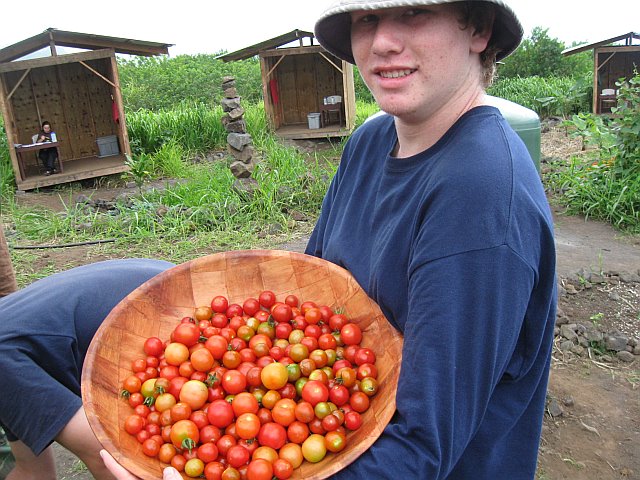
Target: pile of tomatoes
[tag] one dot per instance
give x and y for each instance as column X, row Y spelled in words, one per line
column 250, row 391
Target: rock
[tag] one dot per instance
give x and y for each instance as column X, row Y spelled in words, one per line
column 561, row 290
column 593, row 335
column 629, row 277
column 274, row 229
column 625, row 356
column 229, row 104
column 606, row 358
column 568, row 332
column 236, row 113
column 84, row 200
column 298, row 216
column 577, row 349
column 230, row 92
column 239, row 140
column 561, row 317
column 614, row 296
column 554, row 408
column 241, row 169
column 245, row 155
column 568, row 401
column 615, row 342
column 245, row 186
column 636, row 350
column 566, row 345
column 228, row 80
column 597, row 278
column 239, row 126
column 570, row 289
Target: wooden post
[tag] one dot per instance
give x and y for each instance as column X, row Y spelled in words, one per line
column 7, row 113
column 117, row 93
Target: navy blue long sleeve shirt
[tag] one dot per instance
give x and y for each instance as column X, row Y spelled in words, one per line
column 456, row 246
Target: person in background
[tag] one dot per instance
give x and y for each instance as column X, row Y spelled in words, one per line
column 439, row 213
column 45, row 332
column 48, row 156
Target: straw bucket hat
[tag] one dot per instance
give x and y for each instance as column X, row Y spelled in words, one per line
column 333, row 28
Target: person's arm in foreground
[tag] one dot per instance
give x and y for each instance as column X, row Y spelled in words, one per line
column 122, row 473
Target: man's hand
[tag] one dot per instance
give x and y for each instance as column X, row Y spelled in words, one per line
column 122, row 473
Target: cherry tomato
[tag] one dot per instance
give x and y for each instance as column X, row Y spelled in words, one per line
column 134, row 424
column 259, row 469
column 267, row 298
column 313, row 448
column 315, row 391
column 153, row 346
column 219, row 304
column 184, row 434
column 351, row 334
column 220, row 413
column 272, row 435
column 247, row 425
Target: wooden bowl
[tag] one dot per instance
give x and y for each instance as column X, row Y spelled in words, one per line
column 156, row 307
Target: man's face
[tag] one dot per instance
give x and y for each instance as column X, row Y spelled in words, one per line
column 416, row 60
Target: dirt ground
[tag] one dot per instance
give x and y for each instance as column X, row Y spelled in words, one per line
column 591, row 428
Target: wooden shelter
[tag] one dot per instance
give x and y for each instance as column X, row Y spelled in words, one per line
column 308, row 93
column 611, row 62
column 79, row 93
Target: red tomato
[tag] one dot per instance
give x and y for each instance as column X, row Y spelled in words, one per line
column 267, row 298
column 153, row 346
column 259, row 469
column 213, row 471
column 186, row 333
column 352, row 420
column 219, row 304
column 359, row 401
column 247, row 425
column 151, row 447
column 364, row 355
column 237, row 455
column 339, row 394
column 251, row 306
column 220, row 413
column 233, row 310
column 282, row 469
column 291, row 300
column 351, row 334
column 207, row 452
column 315, row 391
column 234, row 382
column 272, row 435
column 134, row 424
column 185, row 434
column 244, row 402
column 337, row 321
column 281, row 313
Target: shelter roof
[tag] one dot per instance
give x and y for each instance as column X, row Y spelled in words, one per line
column 628, row 37
column 275, row 42
column 81, row 40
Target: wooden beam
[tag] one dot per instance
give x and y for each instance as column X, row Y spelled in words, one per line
column 18, row 84
column 52, row 45
column 274, row 67
column 98, row 74
column 122, row 125
column 606, row 60
column 276, row 52
column 59, row 60
column 331, row 62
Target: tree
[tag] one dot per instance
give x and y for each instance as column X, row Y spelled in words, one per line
column 540, row 55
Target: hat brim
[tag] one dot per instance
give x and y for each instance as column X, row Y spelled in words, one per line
column 333, row 29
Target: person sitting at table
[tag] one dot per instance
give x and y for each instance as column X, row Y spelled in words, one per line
column 47, row 156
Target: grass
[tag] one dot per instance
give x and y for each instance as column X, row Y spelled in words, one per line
column 205, row 210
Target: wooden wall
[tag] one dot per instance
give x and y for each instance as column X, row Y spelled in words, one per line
column 303, row 81
column 74, row 99
column 620, row 65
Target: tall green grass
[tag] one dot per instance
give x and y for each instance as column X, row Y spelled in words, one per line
column 195, row 127
column 548, row 96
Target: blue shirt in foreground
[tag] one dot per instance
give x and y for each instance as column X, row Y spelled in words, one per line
column 456, row 246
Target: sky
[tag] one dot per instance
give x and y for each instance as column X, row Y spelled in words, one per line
column 212, row 26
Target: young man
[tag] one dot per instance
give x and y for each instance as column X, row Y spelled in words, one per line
column 439, row 213
column 45, row 332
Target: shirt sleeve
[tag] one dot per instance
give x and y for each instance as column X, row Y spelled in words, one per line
column 464, row 321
